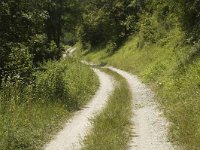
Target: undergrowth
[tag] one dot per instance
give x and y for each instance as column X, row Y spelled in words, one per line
column 31, row 114
column 172, row 68
column 111, row 129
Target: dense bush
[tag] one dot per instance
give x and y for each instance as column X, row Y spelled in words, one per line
column 65, row 82
column 19, row 61
column 189, row 16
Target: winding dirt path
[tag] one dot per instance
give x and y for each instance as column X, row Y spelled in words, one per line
column 150, row 127
column 78, row 127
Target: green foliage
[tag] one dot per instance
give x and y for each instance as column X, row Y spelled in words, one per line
column 37, row 25
column 56, row 84
column 149, row 27
column 31, row 114
column 189, row 17
column 19, row 62
column 42, row 50
column 38, row 48
column 107, row 21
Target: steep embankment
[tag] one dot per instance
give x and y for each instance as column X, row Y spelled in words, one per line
column 172, row 68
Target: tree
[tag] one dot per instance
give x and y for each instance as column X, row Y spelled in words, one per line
column 22, row 27
column 108, row 21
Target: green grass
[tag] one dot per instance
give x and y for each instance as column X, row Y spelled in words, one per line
column 111, row 129
column 172, row 68
column 31, row 115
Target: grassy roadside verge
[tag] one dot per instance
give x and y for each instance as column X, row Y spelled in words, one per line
column 172, row 68
column 31, row 115
column 111, row 129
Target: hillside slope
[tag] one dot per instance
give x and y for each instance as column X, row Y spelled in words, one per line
column 172, row 68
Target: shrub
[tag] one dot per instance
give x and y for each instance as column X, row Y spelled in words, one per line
column 18, row 62
column 65, row 82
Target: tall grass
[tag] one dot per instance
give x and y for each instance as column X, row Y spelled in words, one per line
column 111, row 129
column 172, row 68
column 30, row 115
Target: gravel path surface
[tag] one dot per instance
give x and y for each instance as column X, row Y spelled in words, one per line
column 150, row 126
column 77, row 128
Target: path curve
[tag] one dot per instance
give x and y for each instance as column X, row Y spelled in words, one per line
column 150, row 127
column 78, row 127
